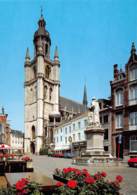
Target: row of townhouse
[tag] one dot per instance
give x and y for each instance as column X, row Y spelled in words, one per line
column 118, row 117
column 8, row 136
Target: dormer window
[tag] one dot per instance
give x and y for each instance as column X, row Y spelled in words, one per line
column 119, row 97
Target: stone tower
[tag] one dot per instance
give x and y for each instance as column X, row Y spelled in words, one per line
column 41, row 91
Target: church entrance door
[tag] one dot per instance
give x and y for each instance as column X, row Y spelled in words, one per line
column 32, row 147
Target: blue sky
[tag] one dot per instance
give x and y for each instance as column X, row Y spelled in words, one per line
column 91, row 35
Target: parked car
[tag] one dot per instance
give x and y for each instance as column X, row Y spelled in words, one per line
column 132, row 162
column 68, row 155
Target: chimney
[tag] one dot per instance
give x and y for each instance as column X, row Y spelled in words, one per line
column 116, row 71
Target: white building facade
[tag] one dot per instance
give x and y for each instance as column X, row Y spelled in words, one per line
column 71, row 133
column 16, row 139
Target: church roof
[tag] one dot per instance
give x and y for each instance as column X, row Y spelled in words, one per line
column 17, row 132
column 71, row 105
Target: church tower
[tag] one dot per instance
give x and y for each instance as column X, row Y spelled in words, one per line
column 41, row 91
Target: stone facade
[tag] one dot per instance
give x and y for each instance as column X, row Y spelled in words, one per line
column 41, row 91
column 124, row 108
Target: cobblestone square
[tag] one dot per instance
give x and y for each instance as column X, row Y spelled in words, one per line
column 46, row 165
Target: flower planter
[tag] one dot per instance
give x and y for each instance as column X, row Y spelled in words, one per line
column 61, row 179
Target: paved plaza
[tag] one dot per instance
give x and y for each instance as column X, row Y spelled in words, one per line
column 46, row 165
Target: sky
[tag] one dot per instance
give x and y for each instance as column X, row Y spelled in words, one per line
column 91, row 35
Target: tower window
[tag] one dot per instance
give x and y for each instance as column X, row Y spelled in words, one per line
column 47, row 71
column 46, row 49
column 45, row 92
column 50, row 94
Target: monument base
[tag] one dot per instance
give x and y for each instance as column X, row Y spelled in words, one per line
column 95, row 149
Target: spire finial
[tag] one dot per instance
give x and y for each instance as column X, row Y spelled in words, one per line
column 27, row 54
column 41, row 11
column 133, row 49
column 3, row 110
column 85, row 101
column 56, row 55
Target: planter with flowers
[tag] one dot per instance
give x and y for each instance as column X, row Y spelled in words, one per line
column 83, row 183
column 23, row 187
column 28, row 161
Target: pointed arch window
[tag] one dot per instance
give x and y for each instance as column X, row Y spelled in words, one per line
column 33, row 132
column 47, row 72
column 50, row 94
column 46, row 49
column 45, row 92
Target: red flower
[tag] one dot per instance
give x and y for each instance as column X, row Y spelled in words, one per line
column 65, row 170
column 97, row 176
column 20, row 185
column 89, row 180
column 78, row 172
column 72, row 184
column 103, row 174
column 119, row 178
column 24, row 180
column 26, row 158
column 59, row 184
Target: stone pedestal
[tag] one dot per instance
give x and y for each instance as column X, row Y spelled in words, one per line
column 94, row 137
column 95, row 148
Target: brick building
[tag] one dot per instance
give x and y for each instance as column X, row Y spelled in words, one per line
column 4, row 128
column 105, row 120
column 124, row 108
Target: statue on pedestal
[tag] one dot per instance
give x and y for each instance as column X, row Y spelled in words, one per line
column 93, row 114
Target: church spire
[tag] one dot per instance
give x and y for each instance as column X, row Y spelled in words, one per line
column 27, row 54
column 27, row 58
column 133, row 49
column 56, row 56
column 85, row 101
column 133, row 53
